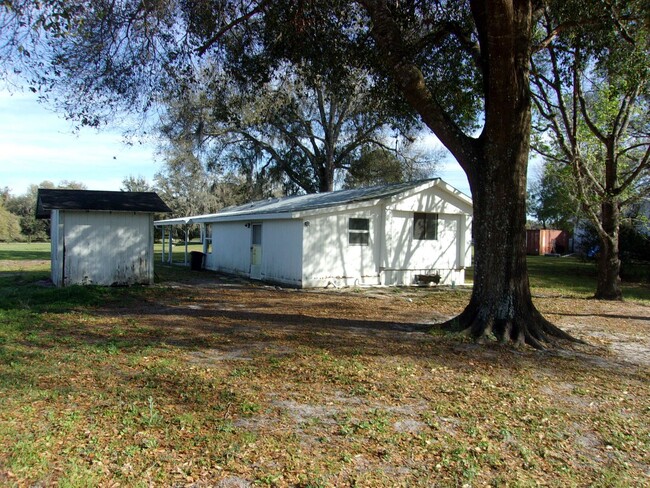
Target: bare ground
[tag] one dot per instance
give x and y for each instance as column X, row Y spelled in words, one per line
column 616, row 333
column 384, row 370
column 249, row 384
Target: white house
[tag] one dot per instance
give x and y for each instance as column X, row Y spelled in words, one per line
column 100, row 237
column 384, row 235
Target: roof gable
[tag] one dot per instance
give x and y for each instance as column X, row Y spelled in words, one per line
column 85, row 200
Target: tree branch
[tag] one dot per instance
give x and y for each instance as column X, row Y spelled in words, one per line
column 221, row 32
column 471, row 47
column 645, row 163
column 410, row 80
column 559, row 29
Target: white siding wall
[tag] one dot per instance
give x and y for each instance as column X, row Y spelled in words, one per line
column 466, row 243
column 329, row 258
column 282, row 251
column 314, row 251
column 56, row 240
column 405, row 257
column 107, row 248
column 432, row 200
column 230, row 248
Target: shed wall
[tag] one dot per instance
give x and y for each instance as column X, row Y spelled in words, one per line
column 314, row 249
column 282, row 251
column 432, row 200
column 56, row 243
column 106, row 248
column 405, row 257
column 546, row 241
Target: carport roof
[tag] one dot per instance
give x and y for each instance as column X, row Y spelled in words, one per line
column 84, row 200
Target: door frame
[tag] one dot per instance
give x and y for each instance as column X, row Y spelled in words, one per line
column 255, row 270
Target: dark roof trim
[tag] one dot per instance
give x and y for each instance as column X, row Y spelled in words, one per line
column 100, row 201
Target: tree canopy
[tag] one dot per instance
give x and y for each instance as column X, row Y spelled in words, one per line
column 23, row 207
column 298, row 130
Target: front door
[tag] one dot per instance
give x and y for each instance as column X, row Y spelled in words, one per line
column 256, row 252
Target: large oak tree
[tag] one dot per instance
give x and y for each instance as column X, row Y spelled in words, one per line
column 462, row 65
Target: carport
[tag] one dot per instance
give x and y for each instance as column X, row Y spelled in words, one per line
column 167, row 228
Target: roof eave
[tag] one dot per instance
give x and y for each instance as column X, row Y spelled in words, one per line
column 208, row 219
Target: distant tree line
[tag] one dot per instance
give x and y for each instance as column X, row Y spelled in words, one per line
column 18, row 213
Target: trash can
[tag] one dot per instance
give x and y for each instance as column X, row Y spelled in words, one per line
column 196, row 261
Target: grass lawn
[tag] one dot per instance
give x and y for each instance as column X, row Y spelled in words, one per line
column 178, row 251
column 200, row 380
column 24, row 252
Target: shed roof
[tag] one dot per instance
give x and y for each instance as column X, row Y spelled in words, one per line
column 315, row 201
column 117, row 201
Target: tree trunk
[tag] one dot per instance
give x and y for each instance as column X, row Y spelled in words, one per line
column 326, row 180
column 609, row 262
column 495, row 163
column 501, row 305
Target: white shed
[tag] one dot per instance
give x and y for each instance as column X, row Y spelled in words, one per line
column 383, row 235
column 100, row 237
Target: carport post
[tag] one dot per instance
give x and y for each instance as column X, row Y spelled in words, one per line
column 162, row 228
column 185, row 262
column 170, row 245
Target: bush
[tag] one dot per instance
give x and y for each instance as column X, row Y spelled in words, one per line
column 635, row 271
column 635, row 245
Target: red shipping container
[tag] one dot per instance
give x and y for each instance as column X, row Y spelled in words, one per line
column 546, row 241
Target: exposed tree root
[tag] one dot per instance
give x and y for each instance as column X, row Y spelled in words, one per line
column 527, row 327
column 613, row 296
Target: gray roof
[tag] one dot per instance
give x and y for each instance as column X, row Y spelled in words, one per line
column 301, row 203
column 117, row 201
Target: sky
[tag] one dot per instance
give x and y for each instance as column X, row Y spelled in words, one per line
column 37, row 145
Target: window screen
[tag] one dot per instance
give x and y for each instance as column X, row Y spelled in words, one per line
column 425, row 226
column 358, row 232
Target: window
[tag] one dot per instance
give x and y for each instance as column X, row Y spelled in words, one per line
column 425, row 226
column 257, row 235
column 358, row 232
